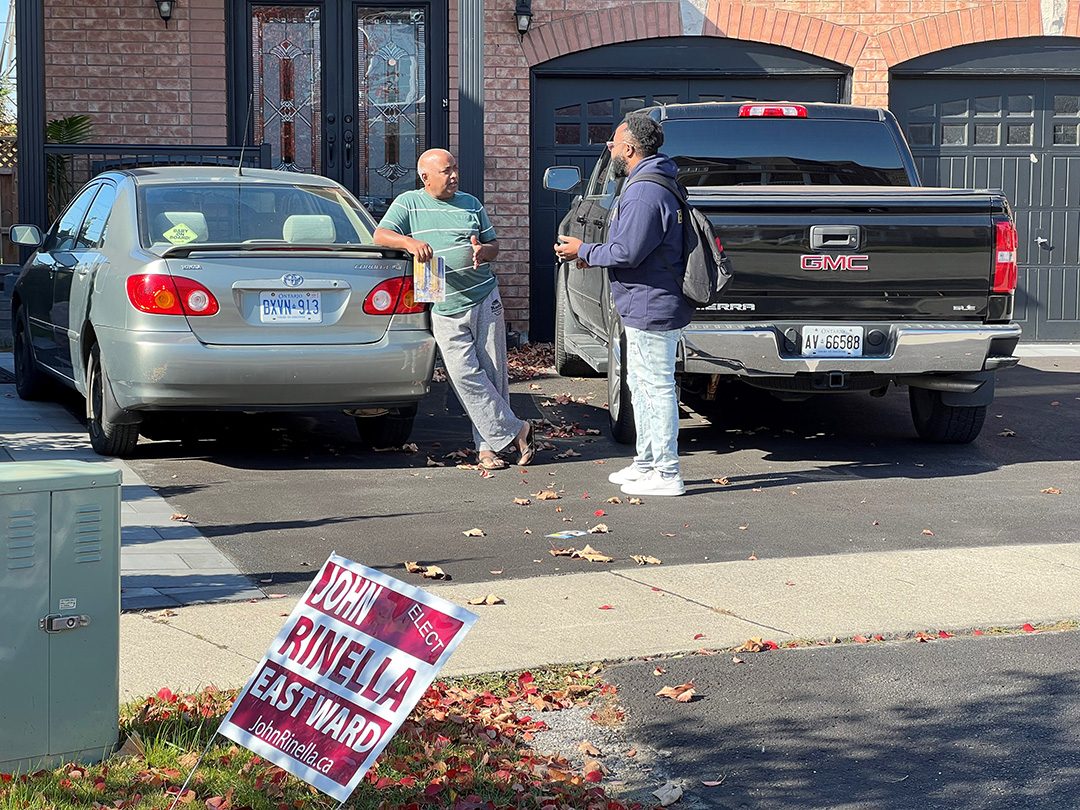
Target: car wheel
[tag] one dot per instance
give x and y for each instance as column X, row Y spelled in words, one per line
column 31, row 383
column 107, row 438
column 566, row 364
column 620, row 412
column 391, row 429
column 947, row 424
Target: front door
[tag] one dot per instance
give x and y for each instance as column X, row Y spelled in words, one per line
column 351, row 90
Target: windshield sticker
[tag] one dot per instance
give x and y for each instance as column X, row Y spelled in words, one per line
column 180, row 234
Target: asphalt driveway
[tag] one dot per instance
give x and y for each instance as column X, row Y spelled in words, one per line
column 766, row 479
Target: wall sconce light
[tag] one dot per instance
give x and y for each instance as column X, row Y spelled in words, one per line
column 165, row 9
column 523, row 14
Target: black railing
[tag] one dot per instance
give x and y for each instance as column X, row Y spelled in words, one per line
column 69, row 166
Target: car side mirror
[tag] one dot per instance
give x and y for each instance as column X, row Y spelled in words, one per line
column 562, row 178
column 29, row 235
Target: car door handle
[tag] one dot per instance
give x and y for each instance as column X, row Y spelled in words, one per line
column 580, row 220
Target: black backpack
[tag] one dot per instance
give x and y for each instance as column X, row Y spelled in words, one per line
column 708, row 268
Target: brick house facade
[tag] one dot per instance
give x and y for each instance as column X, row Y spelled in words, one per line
column 141, row 81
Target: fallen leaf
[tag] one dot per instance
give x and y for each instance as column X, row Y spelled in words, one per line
column 571, row 453
column 736, row 660
column 683, row 693
column 977, row 632
column 496, row 573
column 605, row 607
column 592, row 555
column 644, row 559
column 927, row 532
column 1028, row 628
column 658, row 671
column 599, row 513
column 616, row 499
column 433, row 463
column 668, row 794
column 588, row 748
column 490, row 599
column 534, row 387
column 721, row 481
column 631, row 753
column 474, row 533
column 743, row 527
column 133, row 747
column 562, row 552
column 593, row 771
column 752, row 556
column 522, row 501
column 458, row 454
column 698, row 635
column 428, row 571
column 1007, row 433
column 944, row 634
column 178, row 516
column 558, row 509
column 599, row 528
column 859, row 639
column 667, row 534
column 1050, row 491
column 410, row 448
column 636, row 502
column 547, row 495
column 713, row 782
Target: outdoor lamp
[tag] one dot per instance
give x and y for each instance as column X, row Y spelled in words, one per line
column 523, row 13
column 164, row 8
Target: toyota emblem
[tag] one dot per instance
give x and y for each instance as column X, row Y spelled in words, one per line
column 292, row 279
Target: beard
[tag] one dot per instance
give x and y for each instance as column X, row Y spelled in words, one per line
column 618, row 167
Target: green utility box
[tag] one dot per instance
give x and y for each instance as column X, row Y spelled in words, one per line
column 59, row 613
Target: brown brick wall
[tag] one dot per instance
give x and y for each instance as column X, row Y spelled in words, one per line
column 139, row 81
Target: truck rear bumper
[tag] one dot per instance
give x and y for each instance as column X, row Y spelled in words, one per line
column 757, row 349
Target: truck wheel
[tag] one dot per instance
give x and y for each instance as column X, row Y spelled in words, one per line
column 566, row 364
column 947, row 424
column 389, row 430
column 31, row 383
column 620, row 412
column 107, row 438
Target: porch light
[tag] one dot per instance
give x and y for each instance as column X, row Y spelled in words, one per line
column 523, row 13
column 165, row 9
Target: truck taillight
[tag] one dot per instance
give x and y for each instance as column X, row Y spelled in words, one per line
column 772, row 111
column 161, row 294
column 392, row 297
column 1005, row 244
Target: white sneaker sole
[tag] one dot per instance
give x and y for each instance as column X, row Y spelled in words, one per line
column 630, row 489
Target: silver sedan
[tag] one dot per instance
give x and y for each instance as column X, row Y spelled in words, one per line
column 194, row 289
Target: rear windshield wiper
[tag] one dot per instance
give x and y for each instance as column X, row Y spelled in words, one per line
column 183, row 251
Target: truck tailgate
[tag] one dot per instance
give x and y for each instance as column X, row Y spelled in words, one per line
column 843, row 252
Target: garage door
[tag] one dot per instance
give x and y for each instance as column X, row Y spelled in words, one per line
column 578, row 101
column 1019, row 135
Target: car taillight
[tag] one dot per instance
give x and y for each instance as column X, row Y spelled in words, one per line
column 772, row 111
column 161, row 294
column 392, row 297
column 1005, row 244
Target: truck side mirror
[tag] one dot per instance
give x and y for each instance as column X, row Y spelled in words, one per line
column 562, row 178
column 28, row 235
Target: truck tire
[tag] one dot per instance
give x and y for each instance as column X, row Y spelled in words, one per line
column 389, row 430
column 947, row 424
column 566, row 364
column 31, row 383
column 106, row 437
column 620, row 411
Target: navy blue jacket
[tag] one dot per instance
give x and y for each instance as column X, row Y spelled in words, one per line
column 644, row 253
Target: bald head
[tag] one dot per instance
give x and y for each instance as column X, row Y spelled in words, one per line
column 438, row 172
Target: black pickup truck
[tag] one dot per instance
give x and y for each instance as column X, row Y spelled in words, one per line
column 849, row 276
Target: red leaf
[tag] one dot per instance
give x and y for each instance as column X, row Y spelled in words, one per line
column 770, row 645
column 976, row 632
column 879, row 637
column 944, row 634
column 1028, row 628
column 599, row 513
column 698, row 635
column 606, row 607
column 166, row 694
column 859, row 639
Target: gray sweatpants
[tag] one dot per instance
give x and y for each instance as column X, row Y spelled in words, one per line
column 473, row 347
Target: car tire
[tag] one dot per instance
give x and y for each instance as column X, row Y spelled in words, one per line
column 31, row 382
column 620, row 410
column 566, row 364
column 388, row 430
column 946, row 424
column 107, row 438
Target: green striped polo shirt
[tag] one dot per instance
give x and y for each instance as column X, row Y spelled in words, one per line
column 448, row 226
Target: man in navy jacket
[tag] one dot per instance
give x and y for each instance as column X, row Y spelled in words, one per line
column 645, row 263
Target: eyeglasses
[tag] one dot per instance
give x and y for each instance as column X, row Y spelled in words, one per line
column 612, row 144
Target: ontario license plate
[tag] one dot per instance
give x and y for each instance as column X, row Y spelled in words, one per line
column 832, row 341
column 290, row 307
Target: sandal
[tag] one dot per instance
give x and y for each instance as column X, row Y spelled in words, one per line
column 529, row 452
column 491, row 463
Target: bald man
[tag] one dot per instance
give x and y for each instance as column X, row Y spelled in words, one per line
column 439, row 220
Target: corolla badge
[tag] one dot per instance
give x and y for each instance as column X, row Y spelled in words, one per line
column 292, row 279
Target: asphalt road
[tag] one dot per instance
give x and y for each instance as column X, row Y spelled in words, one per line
column 831, row 475
column 990, row 722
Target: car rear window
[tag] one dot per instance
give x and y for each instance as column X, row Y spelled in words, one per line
column 784, row 151
column 234, row 213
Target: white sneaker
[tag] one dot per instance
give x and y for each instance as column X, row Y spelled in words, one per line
column 626, row 475
column 655, row 484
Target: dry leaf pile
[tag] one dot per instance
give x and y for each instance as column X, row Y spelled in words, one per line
column 427, row 571
column 530, row 361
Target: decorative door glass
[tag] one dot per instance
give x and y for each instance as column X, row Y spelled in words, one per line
column 391, row 102
column 287, row 88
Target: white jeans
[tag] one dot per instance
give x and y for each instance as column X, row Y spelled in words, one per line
column 650, row 374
